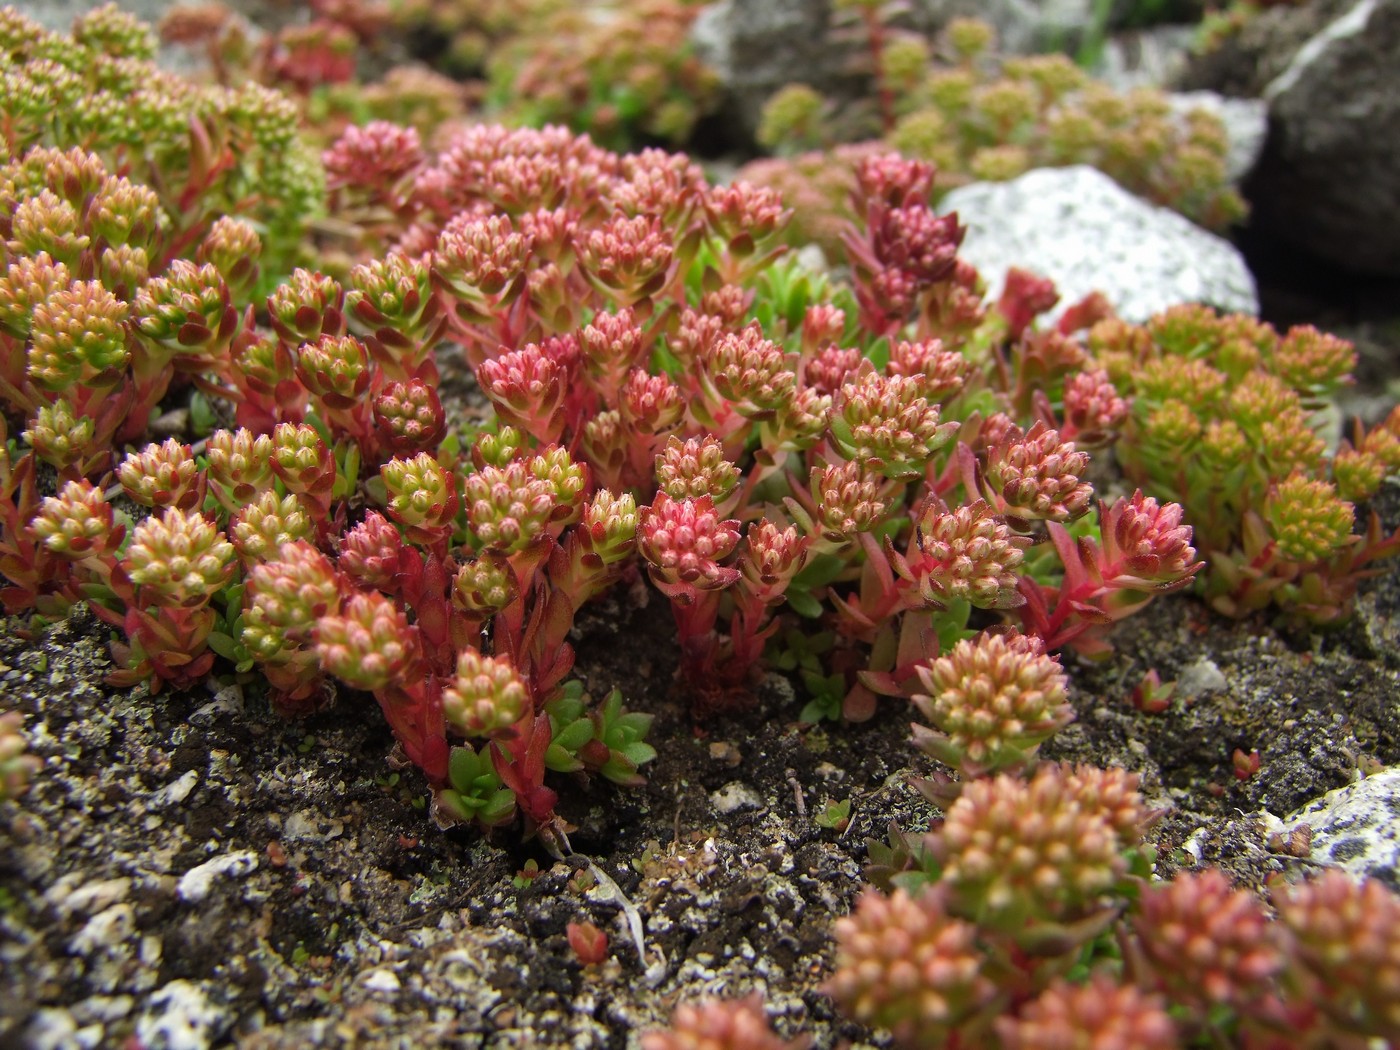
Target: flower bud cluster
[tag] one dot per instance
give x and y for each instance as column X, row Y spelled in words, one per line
column 993, row 701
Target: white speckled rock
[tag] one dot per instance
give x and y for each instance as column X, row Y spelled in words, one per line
column 1357, row 826
column 735, row 796
column 181, row 1016
column 196, row 883
column 1085, row 232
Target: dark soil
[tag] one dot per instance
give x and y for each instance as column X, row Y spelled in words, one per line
column 326, row 909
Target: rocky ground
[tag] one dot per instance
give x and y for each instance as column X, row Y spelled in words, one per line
column 191, row 870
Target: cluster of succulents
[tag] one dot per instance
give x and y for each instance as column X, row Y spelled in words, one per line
column 977, row 116
column 204, row 152
column 1229, row 418
column 622, row 72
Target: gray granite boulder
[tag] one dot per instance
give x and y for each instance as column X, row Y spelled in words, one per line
column 1086, row 233
column 1329, row 179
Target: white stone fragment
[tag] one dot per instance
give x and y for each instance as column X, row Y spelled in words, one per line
column 195, row 884
column 735, row 796
column 1357, row 827
column 1086, row 233
column 181, row 1016
column 385, row 982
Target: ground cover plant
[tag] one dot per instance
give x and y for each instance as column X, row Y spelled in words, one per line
column 880, row 483
column 978, row 115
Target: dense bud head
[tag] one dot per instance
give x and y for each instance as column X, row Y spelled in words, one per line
column 1172, row 425
column 307, row 305
column 47, row 223
column 232, row 246
column 78, row 336
column 57, row 437
column 1176, row 379
column 485, row 586
column 743, row 215
column 1384, row 443
column 822, row 325
column 1358, row 474
column 1259, row 399
column 551, row 231
column 1314, row 361
column 110, row 30
column 28, row 281
column 1207, row 943
column 892, row 180
column 849, row 499
column 1113, row 794
column 607, row 445
column 125, row 213
column 486, row 698
column 994, row 700
column 1307, row 519
column 123, row 268
column 750, row 371
column 917, row 243
column 480, row 255
column 613, row 344
column 511, row 506
column 685, row 540
column 187, row 310
column 829, row 370
column 888, row 422
column 1100, row 1015
column 373, row 157
column 528, row 388
column 178, row 558
column 654, row 182
column 77, row 523
column 260, row 529
column 1014, row 851
column 966, row 553
column 370, row 552
column 1038, row 477
column 695, row 467
column 626, row 258
column 369, row 644
column 498, row 449
column 395, row 291
column 728, row 302
column 609, row 525
column 650, row 404
column 1288, row 444
column 696, row 333
column 1026, row 296
column 1345, row 936
column 944, row 372
column 422, row 493
column 289, row 594
column 300, row 458
column 164, row 475
column 1092, row 405
column 240, row 465
column 733, row 1024
column 409, row 416
column 772, row 556
column 905, row 964
column 1149, row 539
column 335, row 370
